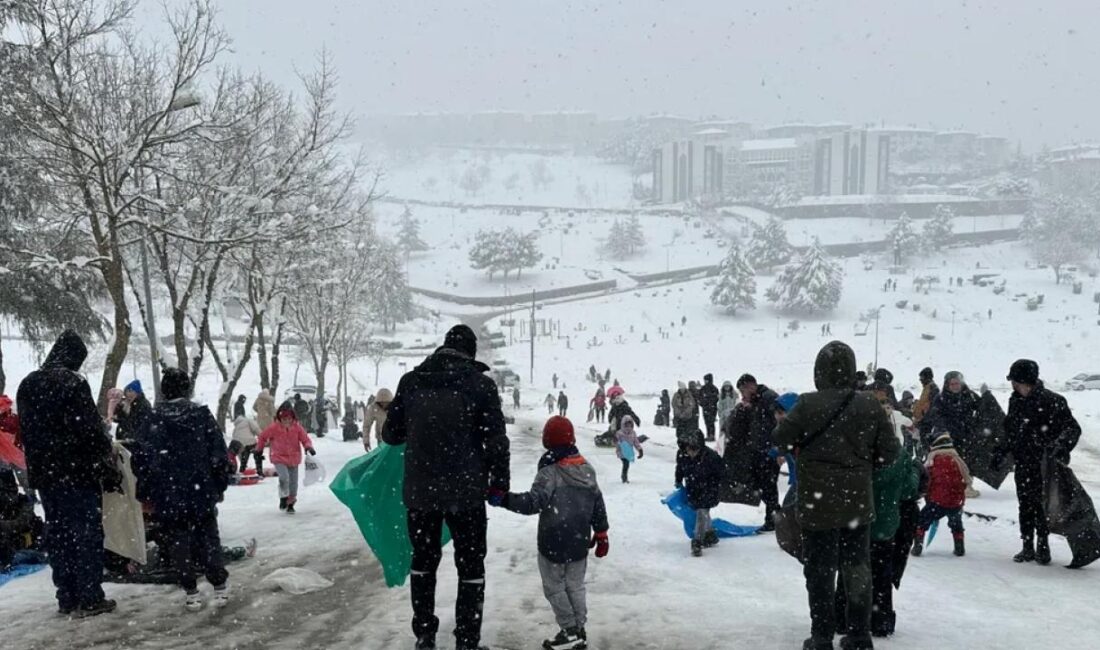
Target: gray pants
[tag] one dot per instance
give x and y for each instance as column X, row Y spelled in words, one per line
column 288, row 481
column 563, row 585
column 702, row 524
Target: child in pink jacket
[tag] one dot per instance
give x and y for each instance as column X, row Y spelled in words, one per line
column 287, row 439
column 626, row 443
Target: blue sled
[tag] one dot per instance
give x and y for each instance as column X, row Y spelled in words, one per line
column 677, row 502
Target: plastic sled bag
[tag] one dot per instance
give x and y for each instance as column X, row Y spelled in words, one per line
column 591, row 414
column 788, row 530
column 295, row 580
column 1070, row 511
column 677, row 502
column 371, row 487
column 315, row 472
column 9, row 453
column 977, row 453
column 627, row 450
column 123, row 524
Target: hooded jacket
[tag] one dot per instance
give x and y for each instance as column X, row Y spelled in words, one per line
column 702, row 477
column 376, row 415
column 952, row 413
column 570, row 506
column 286, row 442
column 726, row 402
column 448, row 412
column 245, row 430
column 834, row 471
column 133, row 421
column 1039, row 422
column 708, row 398
column 63, row 435
column 264, row 408
column 683, row 405
column 948, row 477
column 749, row 427
column 181, row 461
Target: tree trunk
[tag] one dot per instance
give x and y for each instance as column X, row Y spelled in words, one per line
column 319, row 405
column 377, row 368
column 276, row 346
column 3, row 377
column 340, row 388
column 261, row 346
column 116, row 356
column 179, row 337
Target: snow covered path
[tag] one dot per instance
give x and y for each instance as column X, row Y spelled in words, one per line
column 648, row 593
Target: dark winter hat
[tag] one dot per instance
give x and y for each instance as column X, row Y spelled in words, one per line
column 68, row 352
column 708, row 377
column 695, row 440
column 558, row 432
column 884, row 376
column 835, row 366
column 1024, row 371
column 954, row 374
column 175, row 384
column 462, row 339
column 786, row 401
column 943, row 441
column 861, row 376
column 745, row 379
column 926, row 374
column 135, row 386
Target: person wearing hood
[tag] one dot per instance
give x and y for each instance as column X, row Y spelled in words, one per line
column 727, row 401
column 376, row 416
column 302, row 413
column 134, row 412
column 684, row 410
column 840, row 436
column 708, row 401
column 598, row 404
column 699, row 468
column 69, row 462
column 619, row 407
column 572, row 519
column 182, row 473
column 563, row 403
column 11, row 447
column 928, row 394
column 883, row 380
column 1038, row 422
column 948, row 478
column 287, row 439
column 626, row 443
column 550, row 403
column 448, row 414
column 238, row 406
column 954, row 412
column 749, row 441
column 264, row 408
column 664, row 409
column 245, row 431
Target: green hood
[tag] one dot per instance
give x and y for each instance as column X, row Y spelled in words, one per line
column 835, row 366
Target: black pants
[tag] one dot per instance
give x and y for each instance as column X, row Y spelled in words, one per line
column 195, row 546
column 933, row 512
column 827, row 552
column 708, row 421
column 883, row 617
column 601, row 411
column 248, row 451
column 468, row 529
column 903, row 538
column 1029, row 491
column 765, row 477
column 561, row 410
column 626, row 469
column 74, row 541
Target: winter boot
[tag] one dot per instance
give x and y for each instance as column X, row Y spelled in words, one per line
column 193, row 602
column 882, row 625
column 104, row 606
column 856, row 643
column 918, row 543
column 425, row 643
column 565, row 640
column 290, row 509
column 817, row 644
column 221, row 596
column 1042, row 551
column 282, row 503
column 696, row 548
column 960, row 547
column 710, row 539
column 1027, row 554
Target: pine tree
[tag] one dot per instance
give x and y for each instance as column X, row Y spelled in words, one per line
column 523, row 251
column 769, row 246
column 902, row 237
column 937, row 231
column 504, row 250
column 635, row 237
column 736, row 285
column 408, row 237
column 625, row 238
column 389, row 295
column 812, row 284
column 485, row 254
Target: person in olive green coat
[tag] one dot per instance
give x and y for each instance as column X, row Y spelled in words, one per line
column 835, row 497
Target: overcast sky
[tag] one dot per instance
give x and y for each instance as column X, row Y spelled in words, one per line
column 1031, row 73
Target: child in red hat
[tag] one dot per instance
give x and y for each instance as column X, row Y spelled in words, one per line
column 570, row 506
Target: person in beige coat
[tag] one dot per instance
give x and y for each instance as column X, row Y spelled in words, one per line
column 264, row 408
column 376, row 416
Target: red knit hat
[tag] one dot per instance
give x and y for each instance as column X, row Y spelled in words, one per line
column 558, row 432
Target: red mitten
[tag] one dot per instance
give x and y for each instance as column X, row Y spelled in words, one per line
column 601, row 544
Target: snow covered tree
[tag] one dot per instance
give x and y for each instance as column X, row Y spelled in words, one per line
column 389, row 296
column 625, row 238
column 524, row 252
column 736, row 285
column 408, row 237
column 769, row 246
column 938, row 230
column 504, row 250
column 471, row 181
column 1062, row 232
column 812, row 284
column 486, row 253
column 902, row 237
column 541, row 176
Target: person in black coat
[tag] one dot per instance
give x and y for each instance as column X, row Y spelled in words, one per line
column 664, row 409
column 448, row 412
column 954, row 411
column 708, row 401
column 238, row 407
column 563, row 403
column 701, row 471
column 69, row 463
column 302, row 412
column 748, row 441
column 1038, row 422
column 133, row 413
column 182, row 466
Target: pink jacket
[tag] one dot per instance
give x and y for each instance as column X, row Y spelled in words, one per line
column 286, row 443
column 631, row 438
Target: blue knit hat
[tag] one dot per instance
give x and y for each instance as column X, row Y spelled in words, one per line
column 135, row 386
column 786, row 401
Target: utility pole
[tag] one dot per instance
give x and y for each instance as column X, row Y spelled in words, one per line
column 150, row 314
column 952, row 323
column 531, row 378
column 878, row 314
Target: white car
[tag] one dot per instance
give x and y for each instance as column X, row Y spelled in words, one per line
column 307, row 392
column 1084, row 381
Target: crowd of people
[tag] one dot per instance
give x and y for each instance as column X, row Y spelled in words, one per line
column 859, row 462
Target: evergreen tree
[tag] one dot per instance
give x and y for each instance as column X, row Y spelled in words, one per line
column 812, row 284
column 408, row 237
column 522, row 252
column 902, row 237
column 389, row 295
column 486, row 253
column 937, row 231
column 624, row 238
column 736, row 285
column 769, row 246
column 504, row 250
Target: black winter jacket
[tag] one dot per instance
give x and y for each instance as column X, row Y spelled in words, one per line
column 615, row 415
column 708, row 399
column 449, row 413
column 181, row 461
column 750, row 426
column 1039, row 422
column 63, row 436
column 702, row 476
column 132, row 423
column 953, row 413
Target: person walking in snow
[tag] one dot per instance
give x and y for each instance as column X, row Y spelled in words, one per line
column 928, row 394
column 708, row 402
column 133, row 412
column 701, row 471
column 626, row 443
column 572, row 519
column 302, row 412
column 599, row 404
column 515, row 397
column 954, row 412
column 664, row 410
column 447, row 403
column 684, row 410
column 555, row 379
column 550, row 403
column 1039, row 422
column 839, row 435
column 238, row 407
column 749, row 441
column 264, row 408
column 948, row 478
column 287, row 438
column 376, row 416
column 245, row 431
column 182, row 472
column 563, row 403
column 69, row 463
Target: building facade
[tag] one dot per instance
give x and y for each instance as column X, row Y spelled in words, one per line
column 690, row 168
column 852, row 162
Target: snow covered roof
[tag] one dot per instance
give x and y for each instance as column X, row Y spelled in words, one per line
column 711, row 132
column 951, row 134
column 901, row 129
column 769, row 143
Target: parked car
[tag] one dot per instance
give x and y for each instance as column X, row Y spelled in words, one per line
column 1084, row 381
column 308, row 393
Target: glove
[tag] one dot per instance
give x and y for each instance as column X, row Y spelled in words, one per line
column 641, row 454
column 600, row 543
column 496, row 497
column 112, row 480
column 311, row 451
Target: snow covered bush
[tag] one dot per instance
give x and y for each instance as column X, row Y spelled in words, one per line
column 625, row 238
column 812, row 284
column 504, row 250
column 769, row 246
column 736, row 285
column 902, row 237
column 408, row 237
column 938, row 231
